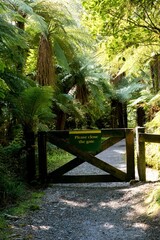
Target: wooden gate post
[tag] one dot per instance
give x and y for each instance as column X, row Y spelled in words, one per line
column 140, row 145
column 42, row 156
column 130, row 154
column 30, row 156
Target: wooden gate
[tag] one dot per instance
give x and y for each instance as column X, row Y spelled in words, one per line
column 61, row 140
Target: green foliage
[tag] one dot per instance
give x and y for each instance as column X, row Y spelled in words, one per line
column 60, row 55
column 32, row 106
column 11, row 169
column 153, row 126
column 15, row 82
column 128, row 88
column 13, row 155
column 11, row 189
column 23, row 11
column 125, row 15
column 153, row 155
column 66, row 103
column 153, row 202
column 9, row 35
column 29, row 201
column 57, row 157
column 12, row 39
column 127, row 32
column 158, row 197
column 3, row 89
column 4, row 231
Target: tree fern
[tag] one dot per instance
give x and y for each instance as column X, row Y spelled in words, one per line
column 23, row 11
column 33, row 105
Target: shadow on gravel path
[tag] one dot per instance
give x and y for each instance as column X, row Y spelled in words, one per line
column 91, row 213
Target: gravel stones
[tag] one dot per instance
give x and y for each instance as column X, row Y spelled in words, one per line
column 91, row 213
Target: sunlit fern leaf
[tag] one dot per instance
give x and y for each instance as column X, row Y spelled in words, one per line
column 125, row 93
column 53, row 12
column 22, row 11
column 143, row 98
column 60, row 55
column 155, row 100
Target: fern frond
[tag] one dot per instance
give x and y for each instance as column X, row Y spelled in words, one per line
column 144, row 97
column 33, row 105
column 155, row 100
column 16, row 82
column 126, row 93
column 10, row 36
column 67, row 104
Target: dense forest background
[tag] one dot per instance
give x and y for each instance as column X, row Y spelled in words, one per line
column 74, row 65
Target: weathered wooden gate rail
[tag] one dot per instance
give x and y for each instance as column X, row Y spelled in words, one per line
column 141, row 138
column 61, row 140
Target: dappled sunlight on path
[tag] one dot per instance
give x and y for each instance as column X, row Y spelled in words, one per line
column 91, row 213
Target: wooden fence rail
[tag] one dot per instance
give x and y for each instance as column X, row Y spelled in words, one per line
column 141, row 138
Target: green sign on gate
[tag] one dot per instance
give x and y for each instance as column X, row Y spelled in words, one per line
column 86, row 140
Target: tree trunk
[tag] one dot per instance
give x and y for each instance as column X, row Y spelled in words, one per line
column 118, row 114
column 119, row 118
column 141, row 118
column 114, row 114
column 125, row 115
column 155, row 72
column 61, row 120
column 22, row 52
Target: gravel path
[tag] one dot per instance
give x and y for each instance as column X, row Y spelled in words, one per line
column 100, row 211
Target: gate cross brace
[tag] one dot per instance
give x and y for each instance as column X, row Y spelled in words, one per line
column 84, row 156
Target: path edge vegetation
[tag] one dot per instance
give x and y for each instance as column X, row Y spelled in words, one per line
column 30, row 201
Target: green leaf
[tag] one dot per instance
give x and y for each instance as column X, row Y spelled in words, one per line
column 60, row 55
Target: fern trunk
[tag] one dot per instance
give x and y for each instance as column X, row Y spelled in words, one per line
column 45, row 65
column 141, row 117
column 61, row 120
column 118, row 114
column 119, row 118
column 22, row 52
